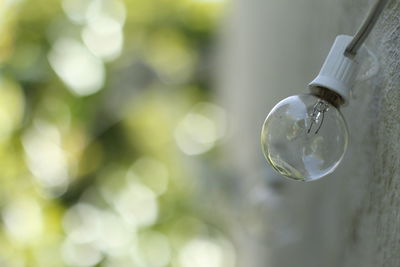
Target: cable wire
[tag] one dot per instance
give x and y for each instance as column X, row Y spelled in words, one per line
column 365, row 28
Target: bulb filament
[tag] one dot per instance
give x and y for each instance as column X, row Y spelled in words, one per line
column 317, row 115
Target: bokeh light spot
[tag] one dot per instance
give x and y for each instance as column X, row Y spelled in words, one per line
column 76, row 9
column 81, row 71
column 137, row 205
column 82, row 255
column 82, row 223
column 45, row 157
column 201, row 253
column 104, row 40
column 200, row 129
column 23, row 220
column 113, row 10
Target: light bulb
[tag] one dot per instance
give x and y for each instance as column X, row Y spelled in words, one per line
column 304, row 137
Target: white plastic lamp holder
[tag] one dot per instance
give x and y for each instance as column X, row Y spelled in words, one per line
column 339, row 71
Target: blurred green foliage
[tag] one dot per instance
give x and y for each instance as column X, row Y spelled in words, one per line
column 102, row 103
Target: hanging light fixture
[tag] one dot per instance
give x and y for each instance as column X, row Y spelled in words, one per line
column 305, row 137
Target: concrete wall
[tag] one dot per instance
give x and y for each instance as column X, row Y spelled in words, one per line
column 270, row 50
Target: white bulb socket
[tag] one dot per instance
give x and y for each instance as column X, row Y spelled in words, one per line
column 339, row 70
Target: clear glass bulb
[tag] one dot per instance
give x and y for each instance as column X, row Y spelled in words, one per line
column 304, row 137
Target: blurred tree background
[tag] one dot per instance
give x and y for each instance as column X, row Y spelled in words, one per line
column 106, row 128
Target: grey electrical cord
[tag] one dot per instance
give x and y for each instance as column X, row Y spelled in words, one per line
column 365, row 28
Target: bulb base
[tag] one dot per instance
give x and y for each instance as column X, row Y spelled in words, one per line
column 328, row 95
column 339, row 71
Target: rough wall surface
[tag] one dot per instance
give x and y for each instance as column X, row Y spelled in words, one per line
column 385, row 185
column 272, row 49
